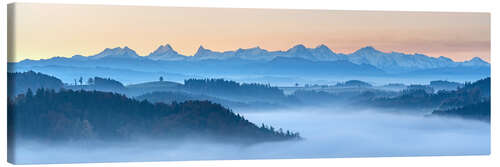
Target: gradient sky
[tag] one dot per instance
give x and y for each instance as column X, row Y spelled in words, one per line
column 48, row 30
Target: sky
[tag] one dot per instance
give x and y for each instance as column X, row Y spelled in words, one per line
column 41, row 31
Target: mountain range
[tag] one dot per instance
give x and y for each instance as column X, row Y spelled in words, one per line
column 299, row 61
column 367, row 55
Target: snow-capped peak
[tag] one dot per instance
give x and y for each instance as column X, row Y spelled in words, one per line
column 298, row 47
column 255, row 53
column 202, row 51
column 165, row 52
column 165, row 48
column 117, row 52
column 367, row 50
column 78, row 57
column 257, row 48
column 300, row 51
column 322, row 46
column 476, row 61
column 322, row 52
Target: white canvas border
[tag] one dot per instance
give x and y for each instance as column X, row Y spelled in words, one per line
column 379, row 5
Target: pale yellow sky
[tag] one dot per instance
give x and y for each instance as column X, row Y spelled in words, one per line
column 48, row 30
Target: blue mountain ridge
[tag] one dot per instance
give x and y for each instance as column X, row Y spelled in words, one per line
column 298, row 61
column 367, row 55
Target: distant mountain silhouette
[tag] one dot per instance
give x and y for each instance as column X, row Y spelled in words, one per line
column 393, row 62
column 165, row 52
column 117, row 52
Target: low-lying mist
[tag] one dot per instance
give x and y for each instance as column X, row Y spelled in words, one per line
column 327, row 133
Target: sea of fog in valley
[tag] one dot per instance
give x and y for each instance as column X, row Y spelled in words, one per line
column 327, row 132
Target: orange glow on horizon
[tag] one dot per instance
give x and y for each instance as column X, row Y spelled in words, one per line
column 48, row 30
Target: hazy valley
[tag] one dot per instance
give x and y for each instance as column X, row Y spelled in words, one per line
column 246, row 104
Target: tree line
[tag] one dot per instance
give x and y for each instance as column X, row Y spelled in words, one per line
column 227, row 87
column 83, row 115
column 460, row 102
column 20, row 82
column 479, row 111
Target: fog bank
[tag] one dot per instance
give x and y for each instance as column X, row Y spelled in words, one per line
column 326, row 132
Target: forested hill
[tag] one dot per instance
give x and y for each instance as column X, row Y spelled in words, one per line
column 73, row 115
column 483, row 86
column 480, row 111
column 19, row 82
column 99, row 84
column 470, row 93
column 221, row 86
column 244, row 92
column 170, row 97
